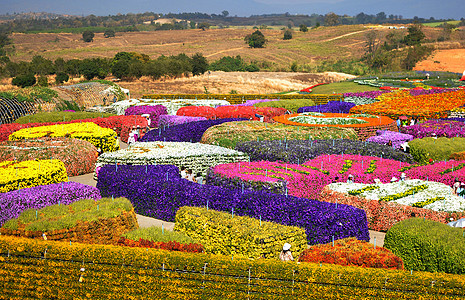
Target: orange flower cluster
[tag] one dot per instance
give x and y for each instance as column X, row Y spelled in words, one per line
column 352, row 252
column 371, row 121
column 401, row 103
column 170, row 246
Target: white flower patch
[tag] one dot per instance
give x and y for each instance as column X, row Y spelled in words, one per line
column 195, row 156
column 172, row 105
column 435, row 189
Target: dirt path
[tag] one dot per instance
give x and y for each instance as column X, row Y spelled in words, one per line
column 223, row 51
column 341, row 36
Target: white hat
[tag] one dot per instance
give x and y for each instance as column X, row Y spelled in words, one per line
column 286, row 246
column 393, row 179
column 402, row 175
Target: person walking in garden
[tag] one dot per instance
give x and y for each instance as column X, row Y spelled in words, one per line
column 183, row 172
column 199, row 178
column 286, row 254
column 190, row 175
column 350, row 179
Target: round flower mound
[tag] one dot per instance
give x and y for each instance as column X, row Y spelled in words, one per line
column 330, row 107
column 230, row 111
column 231, row 133
column 154, row 111
column 352, row 252
column 25, row 174
column 103, row 138
column 384, row 136
column 78, row 156
column 170, row 120
column 400, row 103
column 195, row 156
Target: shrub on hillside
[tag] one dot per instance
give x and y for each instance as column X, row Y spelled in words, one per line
column 24, row 80
column 426, row 245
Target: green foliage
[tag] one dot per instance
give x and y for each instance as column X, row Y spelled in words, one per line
column 61, row 77
column 109, row 33
column 88, row 36
column 256, row 39
column 203, row 25
column 199, row 64
column 287, row 34
column 155, row 234
column 353, row 67
column 437, row 149
column 303, row 28
column 60, row 116
column 290, row 105
column 24, row 80
column 232, row 64
column 414, row 55
column 415, row 36
column 425, row 245
column 42, row 81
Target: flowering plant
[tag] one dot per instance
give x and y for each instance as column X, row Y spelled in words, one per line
column 172, row 105
column 431, row 128
column 384, row 136
column 170, row 120
column 232, row 112
column 154, row 111
column 330, row 107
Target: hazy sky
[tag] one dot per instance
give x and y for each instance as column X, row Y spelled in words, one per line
column 407, row 8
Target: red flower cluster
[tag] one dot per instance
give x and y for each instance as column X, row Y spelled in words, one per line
column 352, row 252
column 114, row 122
column 224, row 112
column 170, row 246
column 309, row 89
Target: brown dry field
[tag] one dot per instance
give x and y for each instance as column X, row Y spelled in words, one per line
column 452, row 60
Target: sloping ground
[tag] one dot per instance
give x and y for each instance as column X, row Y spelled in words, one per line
column 452, row 60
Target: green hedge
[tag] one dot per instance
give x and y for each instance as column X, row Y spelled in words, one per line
column 223, row 233
column 34, row 269
column 290, row 105
column 242, row 98
column 437, row 149
column 60, row 116
column 426, row 245
column 156, row 234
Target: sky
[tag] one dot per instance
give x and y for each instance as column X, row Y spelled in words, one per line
column 445, row 9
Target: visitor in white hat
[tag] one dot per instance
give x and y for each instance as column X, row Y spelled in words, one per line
column 286, row 254
column 393, row 179
column 403, row 177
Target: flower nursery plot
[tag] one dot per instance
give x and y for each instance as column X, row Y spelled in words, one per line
column 170, row 120
column 172, row 105
column 103, row 138
column 30, row 173
column 222, row 112
column 400, row 103
column 231, row 133
column 154, row 111
column 386, row 136
column 195, row 156
column 78, row 156
column 330, row 107
column 438, row 128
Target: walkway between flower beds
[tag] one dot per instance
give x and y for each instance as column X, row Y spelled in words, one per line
column 149, row 222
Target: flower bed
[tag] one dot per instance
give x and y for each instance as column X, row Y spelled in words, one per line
column 229, row 134
column 30, row 173
column 352, row 252
column 439, row 149
column 157, row 274
column 115, row 122
column 330, row 107
column 255, row 101
column 436, row 128
column 365, row 125
column 102, row 138
column 195, row 156
column 14, row 202
column 440, row 245
column 290, row 105
column 154, row 111
column 170, row 120
column 396, row 138
column 160, row 196
column 170, row 246
column 297, row 152
column 78, row 156
column 60, row 116
column 187, row 132
column 222, row 233
column 223, row 112
column 172, row 104
column 76, row 222
column 400, row 103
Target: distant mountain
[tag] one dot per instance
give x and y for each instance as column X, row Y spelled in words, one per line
column 34, row 16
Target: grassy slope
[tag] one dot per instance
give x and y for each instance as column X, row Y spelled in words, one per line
column 342, row 87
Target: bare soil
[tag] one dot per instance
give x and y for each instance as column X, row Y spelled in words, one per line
column 452, row 60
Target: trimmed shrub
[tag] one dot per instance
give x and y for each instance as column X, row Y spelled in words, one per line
column 436, row 149
column 231, row 133
column 224, row 233
column 290, row 105
column 426, row 245
column 352, row 252
column 161, row 192
column 156, row 234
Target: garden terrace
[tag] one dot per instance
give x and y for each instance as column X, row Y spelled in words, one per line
column 11, row 109
column 172, row 106
column 230, row 111
column 231, row 133
column 436, row 128
column 89, row 94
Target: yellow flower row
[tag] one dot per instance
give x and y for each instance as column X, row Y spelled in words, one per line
column 228, row 234
column 103, row 138
column 30, row 173
column 81, row 271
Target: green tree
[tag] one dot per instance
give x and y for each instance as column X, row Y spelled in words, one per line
column 331, row 19
column 256, row 39
column 120, row 68
column 42, row 81
column 287, row 34
column 61, row 77
column 89, row 69
column 203, row 25
column 109, row 33
column 303, row 28
column 199, row 64
column 24, row 80
column 415, row 36
column 42, row 66
column 88, row 36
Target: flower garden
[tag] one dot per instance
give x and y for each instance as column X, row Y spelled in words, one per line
column 316, row 172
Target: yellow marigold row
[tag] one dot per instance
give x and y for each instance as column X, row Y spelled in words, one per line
column 30, row 173
column 103, row 138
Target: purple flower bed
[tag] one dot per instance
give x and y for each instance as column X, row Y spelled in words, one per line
column 187, row 132
column 298, row 151
column 15, row 202
column 170, row 120
column 161, row 195
column 436, row 128
column 330, row 107
column 430, row 91
column 454, row 119
column 384, row 136
column 155, row 111
column 370, row 94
